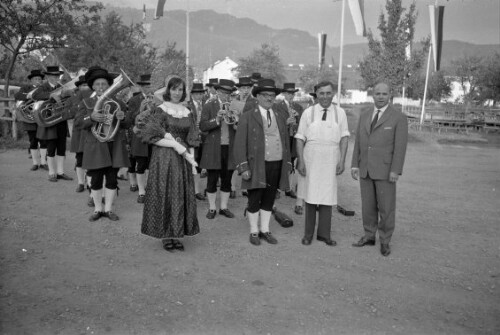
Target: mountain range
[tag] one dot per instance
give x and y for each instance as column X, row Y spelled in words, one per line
column 214, row 36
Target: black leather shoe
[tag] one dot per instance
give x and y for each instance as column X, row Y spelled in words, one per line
column 112, row 216
column 52, row 178
column 328, row 241
column 140, row 198
column 134, row 188
column 34, row 168
column 291, row 194
column 95, row 216
column 254, row 239
column 344, row 211
column 232, row 195
column 226, row 212
column 298, row 210
column 64, row 177
column 306, row 241
column 385, row 249
column 268, row 237
column 364, row 241
column 80, row 188
column 211, row 214
column 44, row 167
column 200, row 196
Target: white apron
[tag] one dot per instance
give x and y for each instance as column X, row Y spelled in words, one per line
column 321, row 155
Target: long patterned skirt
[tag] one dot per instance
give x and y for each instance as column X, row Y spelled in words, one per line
column 170, row 203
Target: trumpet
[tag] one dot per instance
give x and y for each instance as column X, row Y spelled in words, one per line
column 107, row 105
column 231, row 111
column 148, row 103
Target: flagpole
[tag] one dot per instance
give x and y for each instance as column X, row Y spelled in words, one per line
column 427, row 77
column 187, row 54
column 339, row 86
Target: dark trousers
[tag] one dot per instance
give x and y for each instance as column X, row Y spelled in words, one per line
column 138, row 164
column 79, row 159
column 97, row 178
column 34, row 141
column 224, row 174
column 378, row 206
column 58, row 145
column 263, row 198
column 324, row 220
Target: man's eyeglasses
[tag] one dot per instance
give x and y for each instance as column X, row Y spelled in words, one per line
column 268, row 95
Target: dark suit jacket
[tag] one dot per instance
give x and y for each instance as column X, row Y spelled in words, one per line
column 211, row 157
column 137, row 147
column 383, row 150
column 97, row 155
column 77, row 139
column 249, row 149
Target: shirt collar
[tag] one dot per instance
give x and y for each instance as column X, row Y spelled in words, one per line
column 382, row 110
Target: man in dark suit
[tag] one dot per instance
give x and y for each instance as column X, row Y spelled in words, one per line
column 263, row 157
column 196, row 106
column 217, row 156
column 378, row 158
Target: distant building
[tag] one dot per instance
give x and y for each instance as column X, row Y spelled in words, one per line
column 222, row 69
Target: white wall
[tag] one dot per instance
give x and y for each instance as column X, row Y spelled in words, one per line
column 222, row 70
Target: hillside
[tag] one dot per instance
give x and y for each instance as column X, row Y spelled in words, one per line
column 214, row 36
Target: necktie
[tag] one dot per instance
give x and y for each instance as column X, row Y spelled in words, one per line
column 324, row 114
column 375, row 119
column 268, row 118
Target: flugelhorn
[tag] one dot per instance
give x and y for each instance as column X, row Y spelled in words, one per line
column 232, row 111
column 148, row 103
column 108, row 106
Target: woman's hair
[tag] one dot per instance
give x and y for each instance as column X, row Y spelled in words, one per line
column 174, row 83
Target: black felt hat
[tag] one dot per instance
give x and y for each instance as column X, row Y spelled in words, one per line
column 212, row 82
column 96, row 72
column 255, row 77
column 198, row 88
column 226, row 85
column 36, row 73
column 81, row 80
column 53, row 71
column 145, row 79
column 289, row 88
column 265, row 85
column 244, row 81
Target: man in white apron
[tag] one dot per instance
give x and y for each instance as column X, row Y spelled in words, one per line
column 322, row 140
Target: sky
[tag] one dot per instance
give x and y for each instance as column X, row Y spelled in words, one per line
column 473, row 21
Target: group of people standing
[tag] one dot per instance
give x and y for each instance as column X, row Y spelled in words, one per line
column 180, row 142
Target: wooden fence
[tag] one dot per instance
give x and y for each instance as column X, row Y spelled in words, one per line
column 8, row 117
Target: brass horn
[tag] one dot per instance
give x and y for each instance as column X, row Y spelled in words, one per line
column 107, row 105
column 48, row 113
column 24, row 109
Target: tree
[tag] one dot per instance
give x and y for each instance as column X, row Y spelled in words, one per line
column 170, row 62
column 111, row 44
column 468, row 71
column 489, row 79
column 266, row 61
column 311, row 75
column 386, row 59
column 439, row 86
column 32, row 25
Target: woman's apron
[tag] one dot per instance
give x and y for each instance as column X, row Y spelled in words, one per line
column 321, row 155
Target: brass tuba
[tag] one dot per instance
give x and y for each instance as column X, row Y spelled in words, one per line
column 48, row 113
column 24, row 109
column 107, row 105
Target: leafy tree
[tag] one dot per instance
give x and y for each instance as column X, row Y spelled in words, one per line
column 266, row 61
column 311, row 75
column 111, row 44
column 170, row 61
column 28, row 25
column 386, row 59
column 489, row 79
column 468, row 71
column 439, row 86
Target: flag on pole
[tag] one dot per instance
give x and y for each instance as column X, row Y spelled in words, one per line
column 436, row 18
column 357, row 13
column 159, row 9
column 144, row 12
column 322, row 48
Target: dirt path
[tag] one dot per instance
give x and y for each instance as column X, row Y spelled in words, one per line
column 61, row 274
